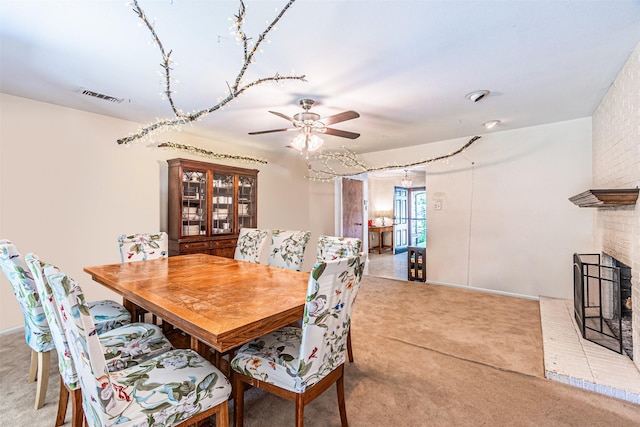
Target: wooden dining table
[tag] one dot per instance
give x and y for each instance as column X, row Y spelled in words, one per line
column 220, row 302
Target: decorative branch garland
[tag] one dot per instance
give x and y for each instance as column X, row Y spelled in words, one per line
column 349, row 160
column 206, row 153
column 234, row 91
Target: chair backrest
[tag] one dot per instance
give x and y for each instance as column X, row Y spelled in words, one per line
column 101, row 399
column 287, row 248
column 252, row 243
column 65, row 362
column 36, row 328
column 332, row 247
column 143, row 246
column 333, row 286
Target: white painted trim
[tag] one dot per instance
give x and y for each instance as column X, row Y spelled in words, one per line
column 490, row 291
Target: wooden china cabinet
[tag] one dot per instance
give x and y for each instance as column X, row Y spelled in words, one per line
column 208, row 205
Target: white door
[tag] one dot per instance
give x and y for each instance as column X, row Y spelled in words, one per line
column 401, row 219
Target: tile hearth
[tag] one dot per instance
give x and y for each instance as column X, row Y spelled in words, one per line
column 570, row 359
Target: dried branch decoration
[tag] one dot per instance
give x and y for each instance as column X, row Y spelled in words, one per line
column 206, row 153
column 349, row 161
column 234, row 90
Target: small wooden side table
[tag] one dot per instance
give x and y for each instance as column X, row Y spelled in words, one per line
column 381, row 231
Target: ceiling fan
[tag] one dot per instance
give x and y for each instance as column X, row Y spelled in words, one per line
column 311, row 124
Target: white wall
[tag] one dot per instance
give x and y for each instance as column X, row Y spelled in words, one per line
column 67, row 190
column 505, row 223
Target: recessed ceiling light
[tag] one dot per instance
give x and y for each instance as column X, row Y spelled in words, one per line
column 477, row 95
column 491, row 124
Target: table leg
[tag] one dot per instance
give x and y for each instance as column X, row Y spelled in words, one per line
column 200, row 348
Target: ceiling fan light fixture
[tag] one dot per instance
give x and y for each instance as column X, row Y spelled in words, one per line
column 298, row 142
column 309, row 143
column 315, row 142
column 491, row 124
column 477, row 95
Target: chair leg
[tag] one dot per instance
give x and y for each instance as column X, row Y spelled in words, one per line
column 63, row 401
column 349, row 349
column 299, row 410
column 238, row 398
column 33, row 367
column 77, row 413
column 44, row 360
column 222, row 417
column 341, row 402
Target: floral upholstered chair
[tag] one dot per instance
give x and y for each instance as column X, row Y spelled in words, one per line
column 287, row 248
column 252, row 243
column 330, row 248
column 107, row 315
column 143, row 247
column 175, row 388
column 125, row 346
column 298, row 364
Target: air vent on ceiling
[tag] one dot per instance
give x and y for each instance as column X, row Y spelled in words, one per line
column 88, row 92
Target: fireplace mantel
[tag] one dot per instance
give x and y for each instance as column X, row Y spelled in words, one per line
column 606, row 198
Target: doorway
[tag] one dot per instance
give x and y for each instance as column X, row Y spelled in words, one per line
column 410, row 214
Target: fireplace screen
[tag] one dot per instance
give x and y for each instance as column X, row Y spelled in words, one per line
column 595, row 287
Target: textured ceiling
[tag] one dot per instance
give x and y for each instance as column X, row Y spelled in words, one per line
column 405, row 66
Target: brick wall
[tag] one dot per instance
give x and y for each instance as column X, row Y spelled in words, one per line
column 616, row 164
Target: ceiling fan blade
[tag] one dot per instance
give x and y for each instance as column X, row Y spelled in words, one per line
column 341, row 117
column 284, row 116
column 342, row 133
column 270, row 131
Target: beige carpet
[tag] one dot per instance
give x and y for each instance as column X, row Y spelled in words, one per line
column 426, row 355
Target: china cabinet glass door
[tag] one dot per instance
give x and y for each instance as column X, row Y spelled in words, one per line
column 222, row 204
column 194, row 202
column 247, row 202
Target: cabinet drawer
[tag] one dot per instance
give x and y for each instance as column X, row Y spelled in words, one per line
column 193, row 246
column 226, row 243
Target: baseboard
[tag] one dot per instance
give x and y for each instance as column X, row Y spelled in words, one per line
column 12, row 330
column 490, row 291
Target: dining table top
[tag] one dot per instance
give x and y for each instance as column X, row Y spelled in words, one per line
column 222, row 302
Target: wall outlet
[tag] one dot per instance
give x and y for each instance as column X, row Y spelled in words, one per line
column 437, row 205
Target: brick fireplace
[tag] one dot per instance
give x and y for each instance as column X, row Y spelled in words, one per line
column 616, row 164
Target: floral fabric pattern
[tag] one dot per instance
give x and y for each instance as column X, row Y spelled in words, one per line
column 296, row 358
column 108, row 315
column 36, row 329
column 144, row 246
column 287, row 248
column 251, row 244
column 125, row 346
column 162, row 391
column 331, row 248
